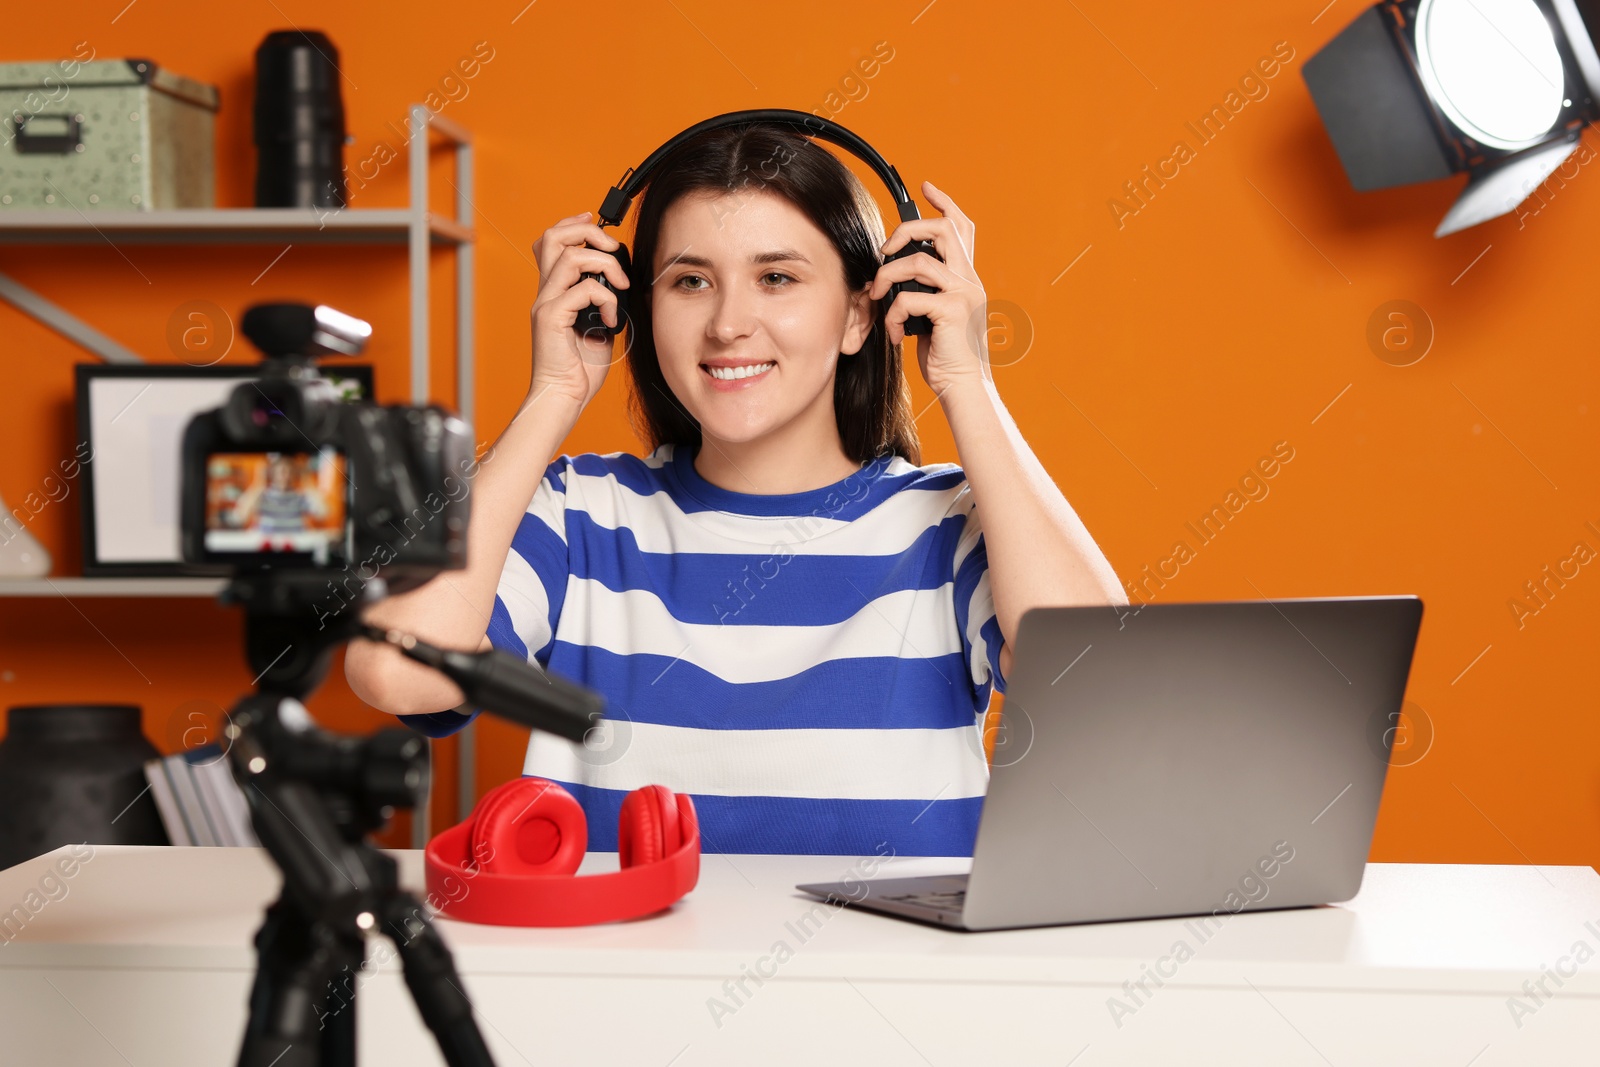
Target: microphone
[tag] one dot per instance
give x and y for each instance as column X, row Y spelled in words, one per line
column 504, row 685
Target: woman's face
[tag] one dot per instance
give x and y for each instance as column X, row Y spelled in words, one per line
column 746, row 278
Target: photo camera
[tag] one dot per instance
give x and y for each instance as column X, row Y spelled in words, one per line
column 288, row 474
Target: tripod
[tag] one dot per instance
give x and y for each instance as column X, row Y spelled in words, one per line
column 314, row 797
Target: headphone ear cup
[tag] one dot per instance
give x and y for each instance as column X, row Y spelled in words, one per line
column 671, row 824
column 915, row 325
column 529, row 826
column 648, row 827
column 589, row 319
column 688, row 818
column 489, row 800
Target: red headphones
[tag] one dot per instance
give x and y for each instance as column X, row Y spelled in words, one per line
column 512, row 861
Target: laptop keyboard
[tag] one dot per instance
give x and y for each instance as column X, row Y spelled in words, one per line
column 941, row 900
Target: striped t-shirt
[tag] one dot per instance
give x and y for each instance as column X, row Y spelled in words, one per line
column 812, row 668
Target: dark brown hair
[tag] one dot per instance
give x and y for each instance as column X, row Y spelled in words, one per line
column 871, row 397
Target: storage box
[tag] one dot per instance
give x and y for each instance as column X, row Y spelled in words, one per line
column 106, row 135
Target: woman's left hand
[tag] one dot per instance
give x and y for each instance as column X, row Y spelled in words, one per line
column 958, row 348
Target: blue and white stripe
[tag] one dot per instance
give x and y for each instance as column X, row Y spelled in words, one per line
column 812, row 668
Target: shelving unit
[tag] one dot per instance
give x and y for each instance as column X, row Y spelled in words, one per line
column 249, row 225
column 111, row 587
column 414, row 226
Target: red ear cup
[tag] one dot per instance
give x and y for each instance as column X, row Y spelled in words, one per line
column 529, row 826
column 648, row 828
column 688, row 818
column 671, row 826
column 481, row 855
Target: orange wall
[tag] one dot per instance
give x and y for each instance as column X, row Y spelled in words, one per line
column 1187, row 339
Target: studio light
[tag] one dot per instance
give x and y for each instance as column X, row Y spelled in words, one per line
column 1415, row 90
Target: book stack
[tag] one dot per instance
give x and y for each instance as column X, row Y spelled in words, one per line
column 200, row 803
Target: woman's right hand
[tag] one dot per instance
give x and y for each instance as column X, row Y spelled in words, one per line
column 563, row 360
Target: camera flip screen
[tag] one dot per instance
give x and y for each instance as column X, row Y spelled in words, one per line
column 276, row 502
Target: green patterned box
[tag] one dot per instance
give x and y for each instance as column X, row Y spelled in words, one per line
column 105, row 135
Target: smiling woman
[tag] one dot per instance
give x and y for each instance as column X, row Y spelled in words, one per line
column 790, row 617
column 772, row 268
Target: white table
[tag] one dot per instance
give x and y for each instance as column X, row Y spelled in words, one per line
column 146, row 961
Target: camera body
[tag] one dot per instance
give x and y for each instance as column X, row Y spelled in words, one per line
column 287, row 475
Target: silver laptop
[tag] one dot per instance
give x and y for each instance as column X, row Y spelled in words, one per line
column 1177, row 759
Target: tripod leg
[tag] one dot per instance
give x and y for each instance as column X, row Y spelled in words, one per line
column 287, row 1025
column 435, row 986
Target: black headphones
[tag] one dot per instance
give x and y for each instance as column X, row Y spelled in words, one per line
column 618, row 200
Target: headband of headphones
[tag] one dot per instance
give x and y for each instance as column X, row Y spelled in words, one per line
column 590, row 321
column 617, row 201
